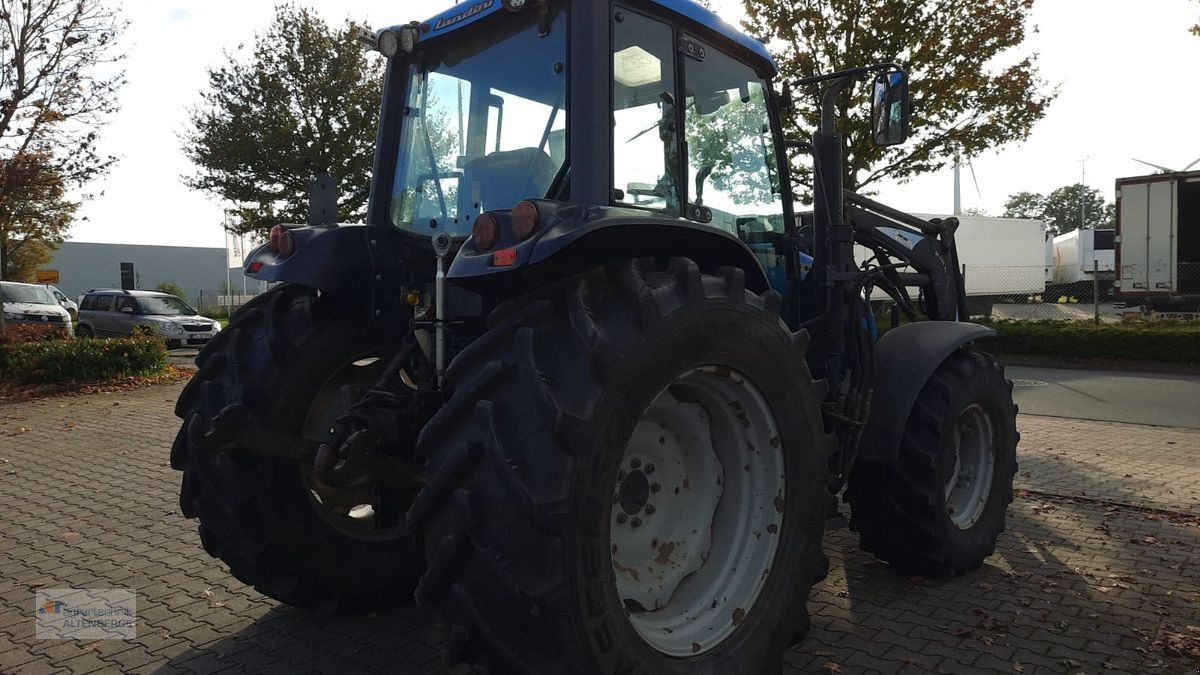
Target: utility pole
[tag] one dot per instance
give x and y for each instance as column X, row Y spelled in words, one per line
column 1083, row 192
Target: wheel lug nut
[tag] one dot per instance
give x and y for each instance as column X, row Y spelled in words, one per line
column 621, row 518
column 649, row 468
column 649, row 509
column 636, row 522
column 655, row 487
column 635, row 463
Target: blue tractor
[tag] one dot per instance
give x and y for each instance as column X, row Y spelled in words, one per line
column 586, row 382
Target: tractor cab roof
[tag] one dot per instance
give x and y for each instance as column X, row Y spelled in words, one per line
column 466, row 14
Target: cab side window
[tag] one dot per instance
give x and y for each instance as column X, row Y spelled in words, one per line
column 645, row 135
column 731, row 160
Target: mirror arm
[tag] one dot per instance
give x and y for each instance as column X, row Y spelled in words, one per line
column 853, row 72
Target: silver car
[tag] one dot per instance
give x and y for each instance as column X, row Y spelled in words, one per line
column 32, row 304
column 114, row 313
column 66, row 303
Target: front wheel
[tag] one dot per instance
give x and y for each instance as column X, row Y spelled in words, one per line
column 940, row 506
column 629, row 477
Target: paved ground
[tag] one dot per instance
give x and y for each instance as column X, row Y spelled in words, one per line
column 1082, row 581
column 1139, row 398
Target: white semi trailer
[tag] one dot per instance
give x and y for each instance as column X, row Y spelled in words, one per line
column 1081, row 262
column 1004, row 257
column 1158, row 239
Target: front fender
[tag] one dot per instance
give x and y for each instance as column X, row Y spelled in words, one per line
column 575, row 239
column 905, row 358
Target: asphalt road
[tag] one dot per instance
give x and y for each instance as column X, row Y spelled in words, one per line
column 1139, row 398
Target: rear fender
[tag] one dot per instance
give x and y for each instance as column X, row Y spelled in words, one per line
column 905, row 358
column 575, row 239
column 363, row 264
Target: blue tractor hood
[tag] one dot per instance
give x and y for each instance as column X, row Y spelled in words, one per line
column 465, row 14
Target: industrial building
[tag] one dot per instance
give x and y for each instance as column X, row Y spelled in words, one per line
column 201, row 272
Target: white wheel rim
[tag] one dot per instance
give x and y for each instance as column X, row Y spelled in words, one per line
column 970, row 483
column 697, row 512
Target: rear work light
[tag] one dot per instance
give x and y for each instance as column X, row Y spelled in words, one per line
column 485, row 232
column 525, row 219
column 282, row 242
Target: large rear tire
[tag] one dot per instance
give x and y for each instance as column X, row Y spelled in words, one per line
column 939, row 508
column 630, row 476
column 280, row 365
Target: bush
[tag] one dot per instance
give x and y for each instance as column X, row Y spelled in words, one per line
column 32, row 332
column 81, row 360
column 1166, row 341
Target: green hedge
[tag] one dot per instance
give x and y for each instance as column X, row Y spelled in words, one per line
column 1167, row 341
column 81, row 360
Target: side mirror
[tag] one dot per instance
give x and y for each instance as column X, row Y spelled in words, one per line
column 889, row 109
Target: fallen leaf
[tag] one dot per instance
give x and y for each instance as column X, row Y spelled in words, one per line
column 70, row 535
column 1018, row 667
column 830, row 668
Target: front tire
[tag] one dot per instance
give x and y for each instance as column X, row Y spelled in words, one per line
column 939, row 508
column 280, row 365
column 554, row 543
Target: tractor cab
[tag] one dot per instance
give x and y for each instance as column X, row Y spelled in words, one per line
column 496, row 103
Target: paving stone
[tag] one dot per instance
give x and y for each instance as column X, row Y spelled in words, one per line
column 1079, row 574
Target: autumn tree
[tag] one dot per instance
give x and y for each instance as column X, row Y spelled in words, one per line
column 305, row 99
column 58, row 83
column 1068, row 208
column 35, row 211
column 963, row 102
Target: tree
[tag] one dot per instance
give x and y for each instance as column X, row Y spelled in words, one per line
column 1063, row 208
column 1029, row 205
column 962, row 104
column 305, row 100
column 34, row 213
column 172, row 288
column 1066, row 205
column 58, row 85
column 24, row 260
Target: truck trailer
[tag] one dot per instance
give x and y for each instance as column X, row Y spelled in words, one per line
column 1003, row 259
column 1158, row 239
column 1081, row 263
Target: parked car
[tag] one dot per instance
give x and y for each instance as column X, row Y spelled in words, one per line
column 114, row 313
column 65, row 302
column 32, row 304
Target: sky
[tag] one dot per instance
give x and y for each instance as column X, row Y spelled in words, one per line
column 1124, row 70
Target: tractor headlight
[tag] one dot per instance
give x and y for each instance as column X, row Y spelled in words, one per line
column 408, row 39
column 387, row 42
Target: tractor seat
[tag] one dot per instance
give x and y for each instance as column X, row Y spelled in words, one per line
column 507, row 177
